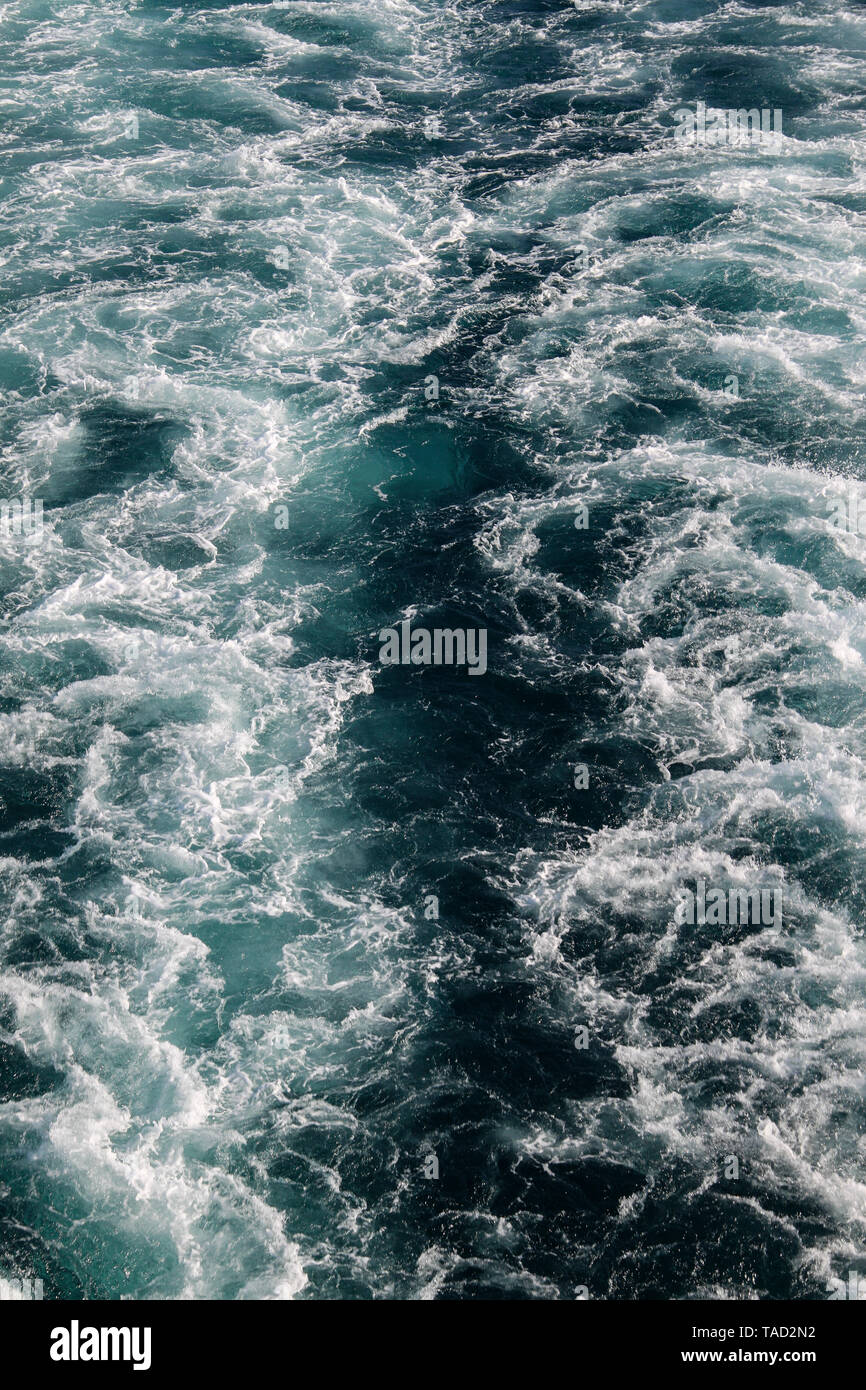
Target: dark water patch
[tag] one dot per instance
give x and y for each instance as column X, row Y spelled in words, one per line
column 742, row 79
column 28, row 796
column 123, row 447
column 21, row 1078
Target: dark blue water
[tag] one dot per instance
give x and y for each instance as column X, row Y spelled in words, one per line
column 322, row 978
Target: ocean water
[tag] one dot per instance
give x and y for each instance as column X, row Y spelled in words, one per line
column 319, row 315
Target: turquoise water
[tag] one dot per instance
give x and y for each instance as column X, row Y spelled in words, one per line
column 318, row 317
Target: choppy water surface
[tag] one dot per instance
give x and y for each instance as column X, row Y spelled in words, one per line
column 242, row 248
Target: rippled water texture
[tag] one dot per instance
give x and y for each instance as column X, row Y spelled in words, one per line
column 319, row 315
